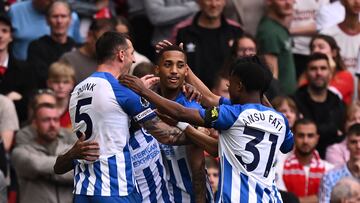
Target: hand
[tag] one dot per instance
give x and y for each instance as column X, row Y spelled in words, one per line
column 191, row 92
column 87, row 150
column 150, row 80
column 165, row 43
column 133, row 83
column 167, row 119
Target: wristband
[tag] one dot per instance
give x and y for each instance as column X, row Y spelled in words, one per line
column 182, row 125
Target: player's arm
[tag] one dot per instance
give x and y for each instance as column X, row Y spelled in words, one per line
column 196, row 159
column 204, row 141
column 173, row 109
column 209, row 99
column 81, row 150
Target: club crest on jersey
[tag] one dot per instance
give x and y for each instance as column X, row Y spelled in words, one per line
column 144, row 102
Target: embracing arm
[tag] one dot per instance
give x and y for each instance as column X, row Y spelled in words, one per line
column 196, row 159
column 208, row 98
column 173, row 109
column 202, row 140
column 165, row 133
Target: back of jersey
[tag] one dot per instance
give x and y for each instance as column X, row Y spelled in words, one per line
column 100, row 107
column 251, row 136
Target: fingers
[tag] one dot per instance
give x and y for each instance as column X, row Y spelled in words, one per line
column 80, row 135
column 146, row 77
column 181, row 45
column 162, row 44
column 198, row 98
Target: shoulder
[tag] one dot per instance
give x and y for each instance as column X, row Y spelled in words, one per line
column 333, row 30
column 20, row 6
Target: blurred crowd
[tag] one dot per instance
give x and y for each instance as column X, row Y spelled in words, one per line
column 311, row 46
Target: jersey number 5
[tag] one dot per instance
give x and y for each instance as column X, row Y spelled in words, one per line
column 84, row 117
column 251, row 147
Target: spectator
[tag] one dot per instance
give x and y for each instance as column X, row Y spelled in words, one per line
column 347, row 190
column 83, row 59
column 317, row 103
column 208, row 25
column 302, row 28
column 350, row 169
column 165, row 14
column 221, row 83
column 303, row 168
column 9, row 122
column 342, row 81
column 347, row 34
column 29, row 22
column 28, row 132
column 247, row 13
column 37, row 181
column 61, row 80
column 287, row 106
column 212, row 169
column 338, row 154
column 49, row 48
column 3, row 189
column 123, row 26
column 275, row 43
column 14, row 77
column 143, row 69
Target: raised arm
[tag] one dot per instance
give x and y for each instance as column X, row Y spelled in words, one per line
column 209, row 99
column 173, row 109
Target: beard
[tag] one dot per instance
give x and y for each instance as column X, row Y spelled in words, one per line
column 304, row 153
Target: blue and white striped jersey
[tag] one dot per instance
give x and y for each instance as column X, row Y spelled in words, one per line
column 101, row 107
column 177, row 165
column 148, row 166
column 250, row 139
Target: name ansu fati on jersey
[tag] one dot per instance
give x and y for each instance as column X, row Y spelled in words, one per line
column 255, row 117
column 86, row 87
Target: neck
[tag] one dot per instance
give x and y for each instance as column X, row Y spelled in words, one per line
column 207, row 22
column 354, row 167
column 110, row 67
column 170, row 94
column 285, row 21
column 251, row 98
column 351, row 23
column 303, row 160
column 59, row 38
column 4, row 54
column 317, row 95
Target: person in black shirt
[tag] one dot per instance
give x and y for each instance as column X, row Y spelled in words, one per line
column 48, row 49
column 316, row 102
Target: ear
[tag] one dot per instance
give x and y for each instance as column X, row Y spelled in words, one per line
column 121, row 55
column 157, row 70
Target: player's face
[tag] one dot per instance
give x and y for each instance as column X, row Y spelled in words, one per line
column 318, row 74
column 62, row 87
column 353, row 145
column 282, row 8
column 129, row 56
column 47, row 123
column 212, row 9
column 213, row 174
column 306, row 138
column 59, row 19
column 172, row 69
column 352, row 6
column 222, row 89
column 234, row 89
column 5, row 36
column 246, row 47
column 289, row 113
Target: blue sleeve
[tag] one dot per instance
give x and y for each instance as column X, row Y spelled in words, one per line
column 135, row 106
column 224, row 100
column 288, row 143
column 222, row 117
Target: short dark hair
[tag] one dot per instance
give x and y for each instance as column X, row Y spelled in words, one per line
column 107, row 45
column 317, row 56
column 303, row 121
column 169, row 48
column 6, row 20
column 354, row 130
column 144, row 68
column 102, row 23
column 50, row 8
column 253, row 73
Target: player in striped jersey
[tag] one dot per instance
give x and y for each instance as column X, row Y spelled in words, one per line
column 102, row 108
column 251, row 134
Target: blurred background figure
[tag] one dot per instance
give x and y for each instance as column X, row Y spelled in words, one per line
column 347, row 190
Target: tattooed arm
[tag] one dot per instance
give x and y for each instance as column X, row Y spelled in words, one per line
column 196, row 158
column 165, row 133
